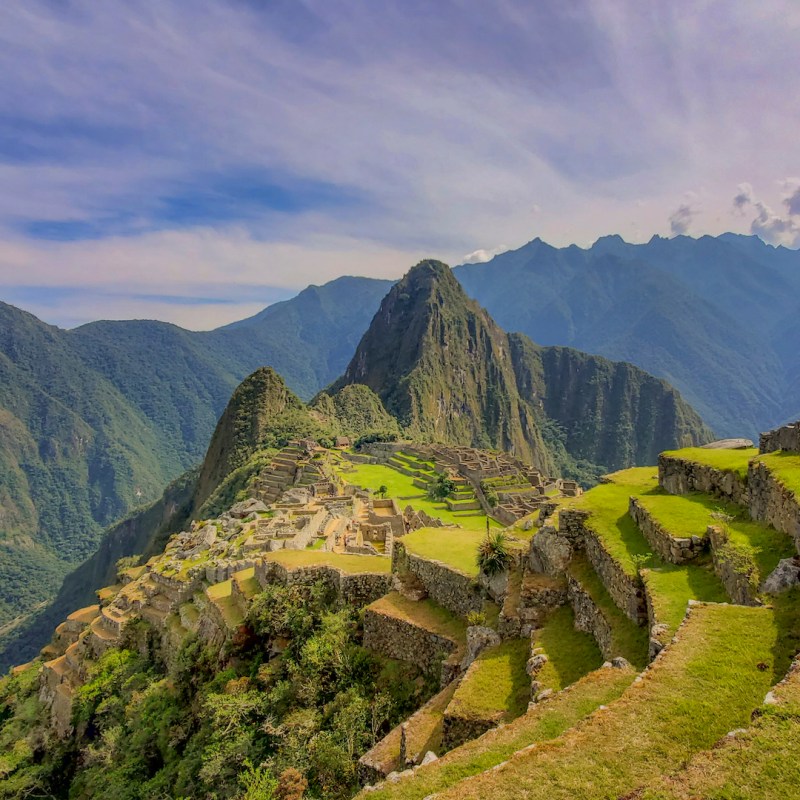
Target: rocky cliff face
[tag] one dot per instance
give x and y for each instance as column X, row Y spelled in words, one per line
column 610, row 412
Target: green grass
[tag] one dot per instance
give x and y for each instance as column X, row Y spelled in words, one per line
column 456, row 547
column 704, row 686
column 423, row 613
column 496, row 685
column 353, row 564
column 628, row 639
column 401, row 487
column 759, row 764
column 545, row 721
column 725, row 460
column 608, row 506
column 670, row 588
column 786, row 468
column 571, row 653
column 689, row 515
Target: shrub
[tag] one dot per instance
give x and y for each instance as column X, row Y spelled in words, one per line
column 476, row 618
column 493, row 554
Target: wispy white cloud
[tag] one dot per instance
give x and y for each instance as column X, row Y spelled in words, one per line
column 370, row 134
column 769, row 225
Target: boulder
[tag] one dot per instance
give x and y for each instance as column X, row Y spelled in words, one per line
column 479, row 637
column 783, row 577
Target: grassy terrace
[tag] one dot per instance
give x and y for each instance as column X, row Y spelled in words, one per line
column 706, row 685
column 571, row 653
column 546, row 721
column 671, row 587
column 496, row 685
column 293, row 559
column 608, row 505
column 786, row 468
column 456, row 547
column 690, row 515
column 628, row 639
column 220, row 595
column 423, row 731
column 401, row 487
column 423, row 613
column 759, row 764
column 723, row 460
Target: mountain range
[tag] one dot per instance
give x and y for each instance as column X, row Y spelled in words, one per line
column 97, row 420
column 432, row 364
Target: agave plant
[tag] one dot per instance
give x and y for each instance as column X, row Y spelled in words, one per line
column 493, row 554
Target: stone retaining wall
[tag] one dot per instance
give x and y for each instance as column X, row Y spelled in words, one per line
column 626, row 591
column 678, row 476
column 401, row 639
column 738, row 576
column 457, row 592
column 358, row 589
column 785, row 438
column 772, row 502
column 676, row 550
column 588, row 617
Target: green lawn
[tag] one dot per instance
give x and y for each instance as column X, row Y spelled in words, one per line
column 689, row 515
column 496, row 684
column 456, row 547
column 705, row 685
column 545, row 721
column 571, row 653
column 786, row 468
column 401, row 487
column 724, row 460
column 670, row 588
column 353, row 564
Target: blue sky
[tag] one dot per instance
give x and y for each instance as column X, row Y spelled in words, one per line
column 195, row 161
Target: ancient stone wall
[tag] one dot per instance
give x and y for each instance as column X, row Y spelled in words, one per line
column 785, row 438
column 625, row 590
column 737, row 576
column 405, row 641
column 588, row 617
column 678, row 476
column 676, row 550
column 455, row 591
column 772, row 502
column 358, row 589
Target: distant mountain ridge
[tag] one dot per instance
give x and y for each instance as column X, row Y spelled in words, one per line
column 96, row 420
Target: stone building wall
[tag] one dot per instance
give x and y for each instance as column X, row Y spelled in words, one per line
column 676, row 550
column 772, row 502
column 455, row 591
column 738, row 578
column 678, row 476
column 785, row 438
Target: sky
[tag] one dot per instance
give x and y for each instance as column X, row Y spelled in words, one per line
column 197, row 160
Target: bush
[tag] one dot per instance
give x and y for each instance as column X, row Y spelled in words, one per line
column 493, row 554
column 476, row 618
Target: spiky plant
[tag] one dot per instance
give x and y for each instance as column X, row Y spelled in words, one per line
column 493, row 554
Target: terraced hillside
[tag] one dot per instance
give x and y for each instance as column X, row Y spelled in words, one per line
column 599, row 646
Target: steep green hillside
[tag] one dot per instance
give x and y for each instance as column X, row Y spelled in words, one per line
column 712, row 315
column 440, row 365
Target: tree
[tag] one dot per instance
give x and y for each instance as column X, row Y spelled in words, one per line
column 383, row 490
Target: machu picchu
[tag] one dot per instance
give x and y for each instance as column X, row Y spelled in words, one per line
column 386, row 608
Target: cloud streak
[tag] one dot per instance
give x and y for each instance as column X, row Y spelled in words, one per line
column 140, row 133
